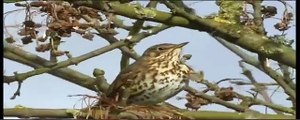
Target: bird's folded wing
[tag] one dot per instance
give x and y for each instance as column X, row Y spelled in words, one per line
column 127, row 76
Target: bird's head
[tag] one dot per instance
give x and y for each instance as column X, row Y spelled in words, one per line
column 164, row 51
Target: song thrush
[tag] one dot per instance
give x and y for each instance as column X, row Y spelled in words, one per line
column 155, row 77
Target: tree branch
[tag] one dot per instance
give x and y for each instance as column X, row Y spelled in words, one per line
column 258, row 20
column 233, row 33
column 71, row 113
column 111, row 39
column 254, row 62
column 64, row 73
column 242, row 108
column 216, row 100
column 66, row 62
column 260, row 89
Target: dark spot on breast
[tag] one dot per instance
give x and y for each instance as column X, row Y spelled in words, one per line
column 140, row 87
column 154, row 80
column 145, row 85
column 152, row 87
column 172, row 71
column 176, row 66
column 137, row 94
column 154, row 74
column 173, row 65
column 134, row 77
column 143, row 77
column 161, row 81
column 178, row 88
column 135, row 100
column 166, row 64
column 182, row 81
column 179, row 75
column 184, row 72
column 163, row 87
column 146, row 96
column 162, row 59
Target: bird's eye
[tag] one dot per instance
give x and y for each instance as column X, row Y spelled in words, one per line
column 159, row 48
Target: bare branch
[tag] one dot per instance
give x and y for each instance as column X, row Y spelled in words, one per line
column 216, row 100
column 254, row 62
column 64, row 73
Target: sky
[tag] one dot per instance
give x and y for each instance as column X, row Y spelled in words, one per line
column 217, row 62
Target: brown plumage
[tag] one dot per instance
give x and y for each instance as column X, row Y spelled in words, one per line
column 156, row 76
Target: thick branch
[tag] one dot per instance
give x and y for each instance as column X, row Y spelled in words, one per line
column 244, row 37
column 258, row 20
column 28, row 112
column 233, row 33
column 66, row 113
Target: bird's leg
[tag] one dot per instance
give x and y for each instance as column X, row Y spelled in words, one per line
column 124, row 97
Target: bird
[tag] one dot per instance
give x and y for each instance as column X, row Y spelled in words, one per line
column 156, row 76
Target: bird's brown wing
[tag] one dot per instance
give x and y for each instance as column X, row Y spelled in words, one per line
column 128, row 75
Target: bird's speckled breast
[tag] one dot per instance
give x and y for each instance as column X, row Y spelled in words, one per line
column 167, row 80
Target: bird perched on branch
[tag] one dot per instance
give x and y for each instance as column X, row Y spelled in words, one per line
column 156, row 76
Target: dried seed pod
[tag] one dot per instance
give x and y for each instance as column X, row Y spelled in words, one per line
column 269, row 11
column 281, row 26
column 22, row 32
column 29, row 23
column 194, row 107
column 69, row 55
column 10, row 40
column 43, row 47
column 88, row 35
column 195, row 102
column 41, row 39
column 38, row 25
column 26, row 39
column 226, row 94
column 57, row 53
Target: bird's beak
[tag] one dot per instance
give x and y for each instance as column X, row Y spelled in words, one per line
column 181, row 45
